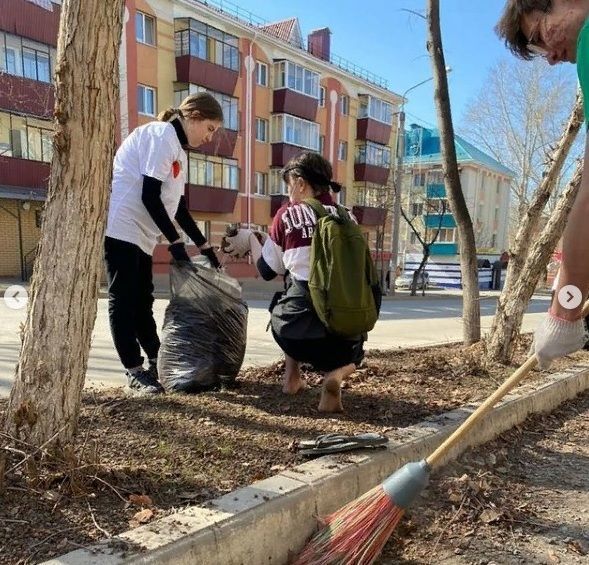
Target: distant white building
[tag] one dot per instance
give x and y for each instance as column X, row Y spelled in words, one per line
column 485, row 184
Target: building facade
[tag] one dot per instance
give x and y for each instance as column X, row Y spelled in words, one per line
column 486, row 185
column 280, row 95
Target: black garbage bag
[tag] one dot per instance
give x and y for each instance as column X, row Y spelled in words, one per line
column 205, row 330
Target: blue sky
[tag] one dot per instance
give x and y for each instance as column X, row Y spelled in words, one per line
column 380, row 36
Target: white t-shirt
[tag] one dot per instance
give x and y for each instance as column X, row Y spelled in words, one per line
column 155, row 151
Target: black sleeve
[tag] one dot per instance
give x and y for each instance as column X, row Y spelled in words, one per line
column 265, row 270
column 187, row 224
column 151, row 196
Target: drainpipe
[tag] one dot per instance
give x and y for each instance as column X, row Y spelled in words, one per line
column 250, row 66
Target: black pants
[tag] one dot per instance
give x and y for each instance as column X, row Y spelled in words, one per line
column 130, row 302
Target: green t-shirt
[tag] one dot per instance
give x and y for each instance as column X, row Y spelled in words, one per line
column 583, row 65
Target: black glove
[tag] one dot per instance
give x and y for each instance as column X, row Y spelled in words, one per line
column 210, row 254
column 178, row 251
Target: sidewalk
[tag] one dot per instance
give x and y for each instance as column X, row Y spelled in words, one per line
column 259, row 289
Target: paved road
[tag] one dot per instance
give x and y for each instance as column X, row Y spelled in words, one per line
column 403, row 322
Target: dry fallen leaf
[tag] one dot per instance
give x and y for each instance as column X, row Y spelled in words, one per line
column 142, row 517
column 490, row 515
column 140, row 500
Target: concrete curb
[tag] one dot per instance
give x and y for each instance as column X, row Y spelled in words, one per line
column 270, row 520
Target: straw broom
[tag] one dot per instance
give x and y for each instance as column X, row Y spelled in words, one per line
column 356, row 533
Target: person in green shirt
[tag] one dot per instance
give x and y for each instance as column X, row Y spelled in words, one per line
column 559, row 31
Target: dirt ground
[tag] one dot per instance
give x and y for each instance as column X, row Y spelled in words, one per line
column 521, row 499
column 139, row 459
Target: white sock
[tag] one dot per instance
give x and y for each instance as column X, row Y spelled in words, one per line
column 135, row 370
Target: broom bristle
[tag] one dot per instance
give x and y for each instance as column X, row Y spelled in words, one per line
column 354, row 534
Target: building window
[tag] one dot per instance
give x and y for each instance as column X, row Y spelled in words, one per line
column 261, row 74
column 417, row 209
column 26, row 138
column 277, row 184
column 144, row 28
column 342, row 151
column 321, row 144
column 445, row 235
column 295, row 77
column 261, row 180
column 344, row 104
column 494, row 240
column 229, row 104
column 213, row 171
column 375, row 108
column 419, row 179
column 322, row 97
column 295, row 131
column 25, row 58
column 146, row 100
column 262, row 130
column 374, row 154
column 369, row 195
column 198, row 39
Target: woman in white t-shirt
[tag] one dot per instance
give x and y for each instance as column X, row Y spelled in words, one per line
column 149, row 177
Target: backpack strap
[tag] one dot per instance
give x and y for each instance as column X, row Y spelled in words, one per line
column 320, row 211
column 317, row 207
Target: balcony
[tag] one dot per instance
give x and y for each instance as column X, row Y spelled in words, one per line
column 277, row 201
column 371, row 173
column 287, row 101
column 369, row 216
column 222, row 144
column 210, row 199
column 368, row 129
column 282, row 153
column 436, row 191
column 23, row 172
column 27, row 96
column 433, row 221
column 210, row 75
column 444, row 249
column 23, row 18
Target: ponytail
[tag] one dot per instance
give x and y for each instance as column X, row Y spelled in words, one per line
column 169, row 114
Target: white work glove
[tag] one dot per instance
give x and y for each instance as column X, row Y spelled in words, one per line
column 556, row 337
column 240, row 244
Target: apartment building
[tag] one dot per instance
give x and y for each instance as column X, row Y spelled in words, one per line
column 281, row 93
column 486, row 186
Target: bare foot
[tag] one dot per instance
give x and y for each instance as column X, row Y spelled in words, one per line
column 331, row 394
column 292, row 382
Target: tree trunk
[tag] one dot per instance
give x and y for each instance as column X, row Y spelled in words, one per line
column 499, row 349
column 468, row 259
column 529, row 221
column 45, row 400
column 420, row 269
column 511, row 308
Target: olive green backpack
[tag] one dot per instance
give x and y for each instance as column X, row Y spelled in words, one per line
column 343, row 283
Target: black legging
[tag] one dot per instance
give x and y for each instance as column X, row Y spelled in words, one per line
column 130, row 302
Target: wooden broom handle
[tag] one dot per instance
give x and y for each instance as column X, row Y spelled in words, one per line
column 487, row 405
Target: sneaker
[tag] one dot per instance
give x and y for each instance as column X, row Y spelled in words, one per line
column 154, row 377
column 140, row 383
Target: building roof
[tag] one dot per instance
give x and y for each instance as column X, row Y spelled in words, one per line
column 288, row 30
column 22, row 193
column 422, row 146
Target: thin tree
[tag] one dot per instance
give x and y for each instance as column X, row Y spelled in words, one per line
column 45, row 400
column 508, row 319
column 468, row 259
column 425, row 241
column 520, row 280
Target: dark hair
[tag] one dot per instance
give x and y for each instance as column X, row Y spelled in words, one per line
column 509, row 26
column 198, row 106
column 313, row 168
